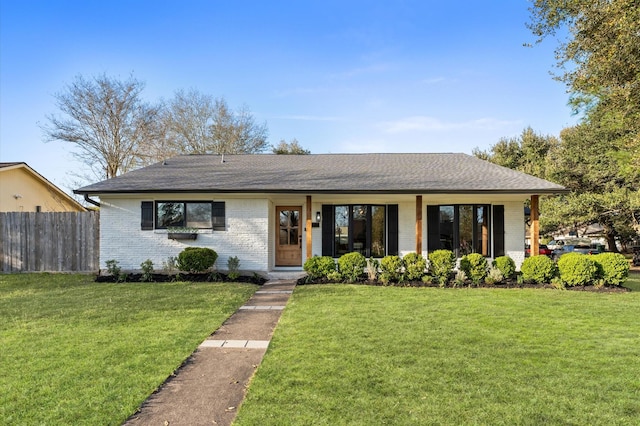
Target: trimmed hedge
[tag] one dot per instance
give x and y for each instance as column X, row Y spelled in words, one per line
column 415, row 266
column 506, row 265
column 441, row 264
column 391, row 268
column 474, row 266
column 319, row 267
column 351, row 266
column 196, row 259
column 613, row 268
column 577, row 269
column 539, row 269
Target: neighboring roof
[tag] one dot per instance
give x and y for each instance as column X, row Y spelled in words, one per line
column 6, row 166
column 324, row 173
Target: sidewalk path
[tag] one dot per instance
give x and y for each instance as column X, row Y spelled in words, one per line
column 210, row 386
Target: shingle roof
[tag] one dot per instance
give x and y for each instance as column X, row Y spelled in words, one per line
column 325, row 173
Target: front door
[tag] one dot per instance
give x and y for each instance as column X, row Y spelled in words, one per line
column 289, row 236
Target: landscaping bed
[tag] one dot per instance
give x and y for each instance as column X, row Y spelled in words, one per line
column 189, row 277
column 511, row 284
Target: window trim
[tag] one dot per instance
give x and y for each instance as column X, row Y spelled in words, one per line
column 216, row 206
column 390, row 229
column 456, row 227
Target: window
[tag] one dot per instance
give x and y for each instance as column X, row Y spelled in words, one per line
column 364, row 228
column 188, row 214
column 462, row 229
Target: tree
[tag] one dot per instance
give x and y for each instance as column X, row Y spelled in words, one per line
column 526, row 153
column 107, row 120
column 289, row 148
column 199, row 124
column 599, row 62
column 586, row 162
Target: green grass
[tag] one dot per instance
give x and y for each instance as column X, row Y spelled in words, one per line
column 358, row 355
column 633, row 282
column 77, row 352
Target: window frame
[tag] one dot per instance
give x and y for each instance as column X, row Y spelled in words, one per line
column 218, row 222
column 456, row 248
column 368, row 219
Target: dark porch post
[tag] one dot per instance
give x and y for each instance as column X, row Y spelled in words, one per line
column 534, row 232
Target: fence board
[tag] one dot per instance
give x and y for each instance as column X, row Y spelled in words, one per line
column 56, row 242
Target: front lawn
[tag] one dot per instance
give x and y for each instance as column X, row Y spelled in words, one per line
column 78, row 352
column 348, row 354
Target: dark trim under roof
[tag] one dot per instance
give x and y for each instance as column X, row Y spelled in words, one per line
column 325, row 174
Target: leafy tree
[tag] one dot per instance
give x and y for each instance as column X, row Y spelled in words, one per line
column 289, row 148
column 199, row 124
column 526, row 153
column 108, row 122
column 599, row 60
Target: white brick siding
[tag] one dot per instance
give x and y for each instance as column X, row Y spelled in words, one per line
column 246, row 235
column 251, row 225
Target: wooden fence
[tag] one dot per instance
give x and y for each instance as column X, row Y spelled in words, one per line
column 56, row 242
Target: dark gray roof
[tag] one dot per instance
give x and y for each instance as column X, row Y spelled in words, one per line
column 324, row 173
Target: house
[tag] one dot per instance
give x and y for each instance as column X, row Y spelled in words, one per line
column 275, row 211
column 22, row 189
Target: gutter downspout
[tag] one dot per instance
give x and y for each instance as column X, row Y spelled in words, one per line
column 90, row 201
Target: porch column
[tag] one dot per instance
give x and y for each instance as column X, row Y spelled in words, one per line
column 419, row 224
column 534, row 232
column 308, row 228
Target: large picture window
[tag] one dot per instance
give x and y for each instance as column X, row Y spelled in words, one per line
column 190, row 214
column 361, row 228
column 462, row 229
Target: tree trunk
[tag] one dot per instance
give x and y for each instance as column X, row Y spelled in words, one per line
column 610, row 236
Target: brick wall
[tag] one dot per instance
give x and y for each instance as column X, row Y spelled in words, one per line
column 246, row 235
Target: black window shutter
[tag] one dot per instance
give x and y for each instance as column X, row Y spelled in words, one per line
column 328, row 220
column 433, row 228
column 146, row 222
column 218, row 216
column 392, row 230
column 498, row 231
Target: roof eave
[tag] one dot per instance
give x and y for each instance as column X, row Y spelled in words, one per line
column 546, row 191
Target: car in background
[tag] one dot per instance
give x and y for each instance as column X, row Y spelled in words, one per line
column 542, row 249
column 582, row 248
column 555, row 244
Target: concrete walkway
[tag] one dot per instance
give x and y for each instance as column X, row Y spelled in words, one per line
column 210, row 386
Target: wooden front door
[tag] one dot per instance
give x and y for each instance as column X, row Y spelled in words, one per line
column 288, row 236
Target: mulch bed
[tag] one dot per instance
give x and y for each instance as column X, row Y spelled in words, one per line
column 503, row 285
column 166, row 278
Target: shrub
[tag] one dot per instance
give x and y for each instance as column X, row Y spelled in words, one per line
column 391, row 268
column 415, row 266
column 475, row 266
column 441, row 264
column 319, row 267
column 147, row 271
column 539, row 269
column 115, row 271
column 494, row 276
column 351, row 266
column 372, row 269
column 334, row 277
column 233, row 266
column 506, row 265
column 196, row 259
column 170, row 265
column 460, row 278
column 577, row 269
column 613, row 268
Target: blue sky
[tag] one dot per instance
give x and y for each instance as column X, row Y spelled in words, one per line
column 339, row 76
